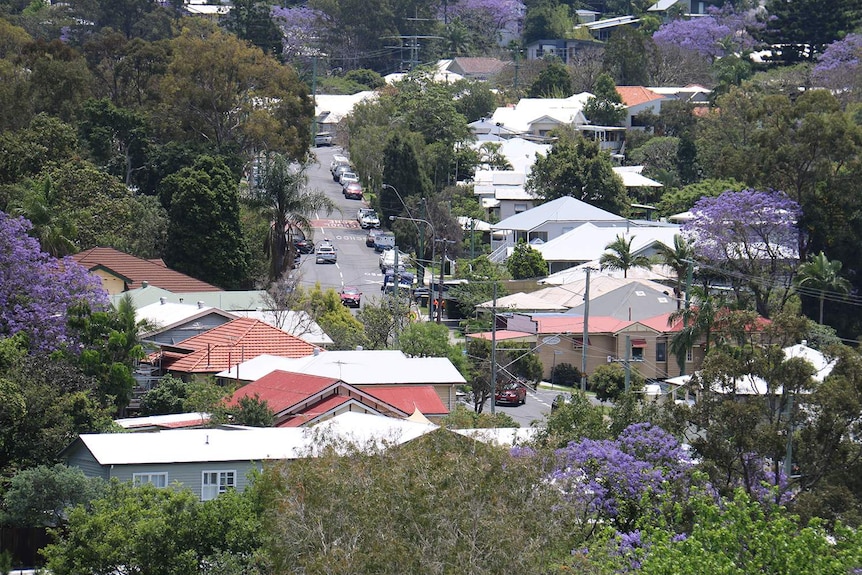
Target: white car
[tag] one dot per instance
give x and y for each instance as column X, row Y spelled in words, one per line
column 325, row 253
column 367, row 218
column 347, row 178
column 387, row 260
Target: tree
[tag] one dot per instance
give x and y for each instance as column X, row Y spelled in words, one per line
column 805, row 27
column 525, row 262
column 40, row 496
column 619, row 256
column 168, row 396
column 429, row 339
column 717, row 34
column 285, row 203
column 249, row 411
column 565, row 374
column 577, row 167
column 403, row 174
column 547, row 20
column 53, row 228
column 251, row 21
column 822, row 276
column 205, row 239
column 481, row 274
column 838, row 68
column 682, row 200
column 627, row 56
column 553, row 82
column 678, row 258
column 606, row 107
column 36, row 292
column 761, row 247
column 608, row 381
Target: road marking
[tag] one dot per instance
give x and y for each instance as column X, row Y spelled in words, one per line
column 335, row 224
column 351, row 238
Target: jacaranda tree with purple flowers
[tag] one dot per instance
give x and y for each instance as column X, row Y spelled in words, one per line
column 625, row 479
column 36, row 290
column 720, row 33
column 838, row 67
column 751, row 236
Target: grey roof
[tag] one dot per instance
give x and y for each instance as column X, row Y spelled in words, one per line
column 633, row 302
column 223, row 300
column 565, row 209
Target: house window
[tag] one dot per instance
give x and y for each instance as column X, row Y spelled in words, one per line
column 661, row 351
column 637, row 353
column 216, row 482
column 156, row 479
column 520, row 208
column 689, row 355
column 538, row 236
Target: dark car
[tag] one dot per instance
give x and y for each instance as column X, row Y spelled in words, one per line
column 350, row 296
column 561, row 400
column 303, row 245
column 512, row 394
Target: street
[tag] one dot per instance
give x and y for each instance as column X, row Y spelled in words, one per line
column 538, row 405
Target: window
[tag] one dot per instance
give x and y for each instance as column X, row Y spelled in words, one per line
column 637, row 353
column 689, row 355
column 520, row 208
column 159, row 479
column 216, row 482
column 661, row 351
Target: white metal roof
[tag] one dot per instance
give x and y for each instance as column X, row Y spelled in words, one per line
column 337, row 106
column 523, row 301
column 565, row 209
column 577, row 273
column 162, row 420
column 360, row 367
column 632, row 177
column 587, row 242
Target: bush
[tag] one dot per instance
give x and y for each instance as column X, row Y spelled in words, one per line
column 565, row 374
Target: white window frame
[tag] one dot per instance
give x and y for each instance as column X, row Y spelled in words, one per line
column 139, row 479
column 689, row 355
column 224, row 479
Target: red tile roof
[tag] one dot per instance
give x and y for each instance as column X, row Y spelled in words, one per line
column 634, row 95
column 409, row 398
column 234, row 342
column 329, row 404
column 136, row 270
column 501, row 335
column 282, row 390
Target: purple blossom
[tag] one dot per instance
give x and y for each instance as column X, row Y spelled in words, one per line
column 301, row 27
column 838, row 66
column 500, row 13
column 616, row 478
column 718, row 34
column 36, row 290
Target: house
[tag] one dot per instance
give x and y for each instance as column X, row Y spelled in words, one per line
column 691, row 93
column 587, row 243
column 564, row 49
column 602, row 29
column 519, row 152
column 522, row 302
column 226, row 346
column 638, row 100
column 548, row 221
column 121, row 272
column 206, row 10
column 212, row 461
column 170, row 421
column 171, row 323
column 534, row 118
column 502, row 192
column 359, row 368
column 331, row 109
column 685, row 7
column 301, row 400
column 484, row 69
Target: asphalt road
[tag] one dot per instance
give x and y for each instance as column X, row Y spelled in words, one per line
column 538, row 405
column 357, row 264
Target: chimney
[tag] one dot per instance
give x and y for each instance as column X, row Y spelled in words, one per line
column 163, row 300
column 200, row 304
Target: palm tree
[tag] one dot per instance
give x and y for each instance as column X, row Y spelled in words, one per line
column 621, row 257
column 696, row 322
column 283, row 199
column 822, row 275
column 678, row 258
column 51, row 224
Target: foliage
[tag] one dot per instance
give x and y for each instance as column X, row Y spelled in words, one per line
column 463, row 418
column 572, row 421
column 286, row 205
column 429, row 339
column 151, row 530
column 250, row 20
column 577, row 167
column 205, row 239
column 249, row 411
column 760, row 247
column 525, row 262
column 625, row 479
column 36, row 292
column 566, row 374
column 838, row 66
column 618, row 255
column 383, row 510
column 608, row 381
column 660, row 158
column 41, row 495
column 553, row 82
column 678, row 258
column 334, row 318
column 547, row 20
column 683, row 199
column 605, row 108
column 804, row 28
column 719, row 33
column 482, row 276
column 167, row 396
column 627, row 55
column 821, row 276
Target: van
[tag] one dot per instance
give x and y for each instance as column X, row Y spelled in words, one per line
column 383, row 242
column 338, row 160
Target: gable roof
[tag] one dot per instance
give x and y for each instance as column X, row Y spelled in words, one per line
column 571, row 294
column 565, row 209
column 135, row 271
column 635, row 95
column 633, row 302
column 522, row 301
column 230, row 344
column 356, row 367
column 480, row 65
column 420, row 398
column 163, row 316
column 587, row 242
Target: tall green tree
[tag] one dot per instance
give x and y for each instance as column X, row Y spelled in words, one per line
column 205, row 239
column 605, row 108
column 285, row 202
column 577, row 167
column 823, row 277
column 251, row 21
column 403, row 174
column 678, row 258
column 619, row 256
column 553, row 81
column 803, row 28
column 525, row 262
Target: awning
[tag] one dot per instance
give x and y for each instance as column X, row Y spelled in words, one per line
column 638, row 342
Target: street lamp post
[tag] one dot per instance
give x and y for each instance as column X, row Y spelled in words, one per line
column 433, row 254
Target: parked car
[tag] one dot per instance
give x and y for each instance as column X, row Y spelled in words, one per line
column 338, row 160
column 404, row 279
column 367, row 218
column 340, row 169
column 561, row 400
column 350, row 296
column 384, row 241
column 325, row 253
column 303, row 245
column 323, row 139
column 347, row 176
column 511, row 393
column 372, row 236
column 353, row 191
column 387, row 259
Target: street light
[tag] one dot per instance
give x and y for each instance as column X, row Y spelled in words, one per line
column 433, row 253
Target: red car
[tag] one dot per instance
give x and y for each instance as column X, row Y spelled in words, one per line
column 350, row 296
column 353, row 191
column 512, row 394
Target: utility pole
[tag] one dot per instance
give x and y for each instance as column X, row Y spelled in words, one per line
column 396, row 303
column 586, row 330
column 472, row 238
column 420, row 268
column 628, row 363
column 688, row 279
column 494, row 351
column 440, row 281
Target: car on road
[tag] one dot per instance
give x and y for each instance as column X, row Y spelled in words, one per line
column 338, row 160
column 303, row 245
column 353, row 191
column 513, row 393
column 560, row 400
column 372, row 235
column 384, row 241
column 346, row 177
column 338, row 170
column 323, row 139
column 325, row 253
column 388, row 257
column 350, row 296
column 367, row 218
